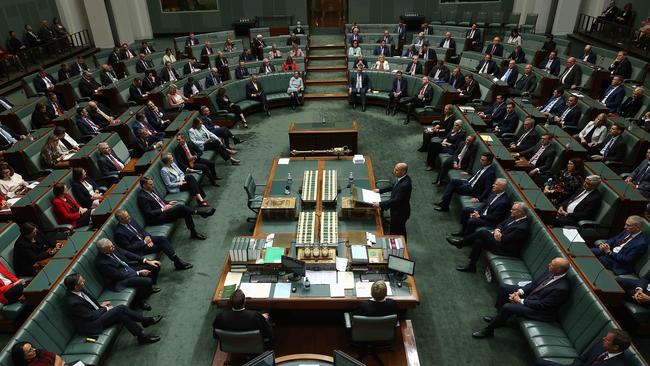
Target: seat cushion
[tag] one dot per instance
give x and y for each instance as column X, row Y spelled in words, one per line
column 247, row 104
column 12, row 311
column 547, row 339
column 640, row 313
column 160, row 230
column 182, row 196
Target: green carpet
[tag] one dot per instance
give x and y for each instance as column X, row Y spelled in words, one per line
column 452, row 303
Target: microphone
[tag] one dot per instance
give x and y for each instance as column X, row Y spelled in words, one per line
column 568, row 249
column 49, row 281
column 597, row 275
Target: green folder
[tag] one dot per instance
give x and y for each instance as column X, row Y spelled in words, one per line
column 273, row 255
column 227, row 291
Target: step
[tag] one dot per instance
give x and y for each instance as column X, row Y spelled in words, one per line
column 327, row 46
column 327, row 68
column 327, row 57
column 333, row 81
column 326, row 96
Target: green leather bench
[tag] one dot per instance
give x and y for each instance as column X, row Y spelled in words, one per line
column 8, row 236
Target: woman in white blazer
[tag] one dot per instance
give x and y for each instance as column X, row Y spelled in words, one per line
column 381, row 64
column 175, row 180
column 599, row 132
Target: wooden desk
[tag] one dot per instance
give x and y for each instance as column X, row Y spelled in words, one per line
column 307, row 136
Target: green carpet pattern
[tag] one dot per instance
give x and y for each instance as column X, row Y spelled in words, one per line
column 452, row 303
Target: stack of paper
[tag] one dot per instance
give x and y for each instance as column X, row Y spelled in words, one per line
column 362, row 289
column 337, row 290
column 282, row 290
column 346, row 279
column 256, row 290
column 321, row 277
column 233, row 278
column 369, row 196
column 573, row 235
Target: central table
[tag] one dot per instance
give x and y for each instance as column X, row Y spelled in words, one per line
column 307, row 136
column 349, row 229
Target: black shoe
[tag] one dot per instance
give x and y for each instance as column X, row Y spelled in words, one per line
column 387, row 111
column 144, row 306
column 354, row 106
column 205, row 211
column 148, row 339
column 487, row 319
column 468, row 268
column 234, row 161
column 180, row 265
column 394, row 111
column 483, row 333
column 155, row 290
column 363, row 108
column 458, row 243
column 147, row 322
column 458, row 233
column 215, row 184
column 198, row 236
column 237, row 140
column 407, row 121
column 422, row 149
column 218, row 178
column 435, row 182
column 268, row 113
column 441, row 208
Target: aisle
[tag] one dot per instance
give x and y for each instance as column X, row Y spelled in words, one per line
column 327, row 75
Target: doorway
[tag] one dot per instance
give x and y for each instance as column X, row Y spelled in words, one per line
column 327, row 13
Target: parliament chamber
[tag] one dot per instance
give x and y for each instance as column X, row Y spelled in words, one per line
column 324, row 182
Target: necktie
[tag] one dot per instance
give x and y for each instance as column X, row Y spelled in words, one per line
column 399, row 84
column 523, row 136
column 413, row 68
column 490, row 204
column 129, row 54
column 601, row 357
column 190, row 162
column 506, row 75
column 566, row 111
column 359, row 83
column 459, row 159
column 421, row 94
column 624, row 240
column 48, row 83
column 550, row 105
column 492, row 50
column 115, row 162
column 471, row 34
column 132, row 228
column 542, row 285
column 484, row 68
column 58, row 109
column 586, row 57
column 171, row 75
column 437, row 75
column 611, row 90
column 85, row 297
column 535, row 157
column 92, row 125
column 606, row 148
column 6, row 105
column 144, row 64
column 566, row 72
column 475, row 178
column 446, row 44
column 268, row 69
column 642, row 175
column 158, row 200
column 7, row 137
column 125, row 266
column 548, row 65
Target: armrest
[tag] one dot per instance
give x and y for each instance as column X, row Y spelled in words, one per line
column 116, row 175
column 507, row 135
column 625, row 175
column 131, row 103
column 348, row 320
column 480, row 101
column 86, row 138
column 614, row 163
column 44, row 172
column 587, row 224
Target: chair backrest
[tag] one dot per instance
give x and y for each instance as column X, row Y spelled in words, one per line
column 497, row 17
column 249, row 186
column 531, row 19
column 373, row 328
column 250, row 342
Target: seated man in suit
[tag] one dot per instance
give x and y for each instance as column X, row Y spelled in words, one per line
column 440, row 73
column 88, row 87
column 609, row 352
column 448, row 145
column 457, row 79
column 240, row 319
column 637, row 290
column 496, row 111
column 554, row 105
column 494, row 49
column 114, row 57
column 143, row 64
column 192, row 66
column 382, row 49
column 241, row 71
column 8, row 137
column 551, row 64
column 526, row 139
column 507, row 239
column 526, row 84
column 509, row 74
column 191, row 40
column 155, row 117
column 571, row 77
column 588, row 55
column 78, row 67
column 213, row 78
column 582, row 205
column 379, row 304
column 420, row 41
column 85, row 124
column 487, row 66
column 146, row 48
column 621, row 66
column 427, row 55
column 490, row 213
column 630, row 107
column 620, row 253
column 570, row 116
column 107, row 76
column 222, row 132
column 191, row 88
column 100, row 114
column 255, row 91
column 126, row 52
column 461, row 159
column 158, row 211
column 423, row 98
column 130, row 236
column 539, row 300
column 142, row 123
column 447, row 41
column 400, row 85
column 399, row 203
column 109, row 164
column 414, row 67
column 359, row 85
column 43, row 82
column 136, row 91
column 540, row 158
column 613, row 148
column 640, row 177
column 470, row 89
column 613, row 95
column 150, row 81
column 474, row 33
column 91, row 317
column 188, row 157
column 355, row 36
column 168, row 73
column 478, row 185
column 145, row 141
column 509, row 122
column 120, row 269
column 266, row 67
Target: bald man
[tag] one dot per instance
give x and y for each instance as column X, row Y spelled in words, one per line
column 539, row 300
column 399, row 202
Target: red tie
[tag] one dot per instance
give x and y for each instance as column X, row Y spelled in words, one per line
column 422, row 91
column 58, row 109
column 114, row 161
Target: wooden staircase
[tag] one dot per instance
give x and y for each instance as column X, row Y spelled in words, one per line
column 335, row 58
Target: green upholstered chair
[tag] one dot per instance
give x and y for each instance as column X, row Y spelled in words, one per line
column 450, row 17
column 254, row 197
column 513, row 21
column 529, row 24
column 371, row 332
column 250, row 342
column 467, row 19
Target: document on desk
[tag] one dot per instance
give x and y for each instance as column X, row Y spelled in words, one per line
column 282, row 290
column 284, row 161
column 337, row 290
column 321, row 277
column 256, row 290
column 233, row 278
column 362, row 289
column 346, row 279
column 573, row 235
column 369, row 196
column 486, row 138
column 341, row 264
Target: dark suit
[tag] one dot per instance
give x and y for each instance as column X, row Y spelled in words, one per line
column 630, row 107
column 519, row 57
column 377, row 308
column 631, row 284
column 457, row 81
column 476, row 37
column 257, row 94
column 108, row 169
column 641, row 178
column 491, row 212
column 399, row 205
column 416, row 102
column 409, row 68
column 143, row 65
column 2, row 106
column 540, row 303
column 81, row 194
column 126, row 54
column 91, row 321
column 452, row 43
column 480, row 186
column 211, row 80
column 463, row 162
column 263, row 70
column 242, row 321
column 187, row 89
column 204, row 165
column 572, row 76
column 40, row 119
column 494, row 49
column 64, row 75
column 435, row 147
column 87, row 129
column 120, row 275
column 431, row 55
column 616, row 151
column 141, row 146
column 512, row 78
column 5, row 143
column 443, row 75
column 40, row 86
column 382, row 50
column 555, row 108
column 394, row 100
column 614, row 97
column 544, row 161
column 514, row 234
column 155, row 120
column 241, row 73
column 165, row 74
column 113, row 58
column 495, row 112
column 26, row 253
column 355, row 37
column 87, row 87
column 571, row 118
column 523, row 141
column 508, row 124
column 97, row 118
column 153, row 214
column 623, row 68
column 471, row 90
column 359, row 92
column 187, row 69
column 106, row 79
column 149, row 85
column 591, row 57
column 553, row 68
column 585, row 210
column 136, row 93
column 589, row 358
column 491, row 69
column 130, row 237
column 630, row 252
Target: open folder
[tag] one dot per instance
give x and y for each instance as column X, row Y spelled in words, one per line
column 365, row 197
